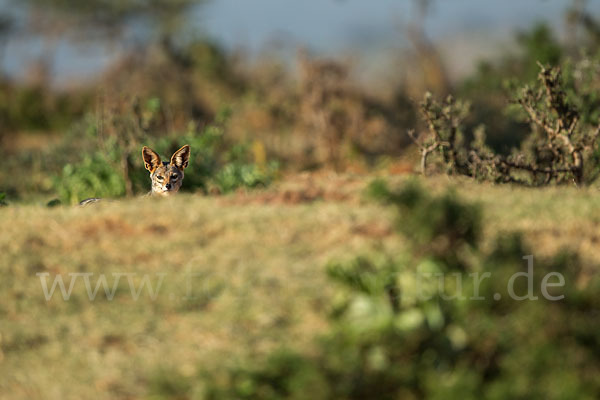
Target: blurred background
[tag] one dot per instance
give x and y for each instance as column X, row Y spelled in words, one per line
column 257, row 88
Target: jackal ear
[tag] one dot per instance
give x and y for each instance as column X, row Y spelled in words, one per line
column 151, row 159
column 181, row 157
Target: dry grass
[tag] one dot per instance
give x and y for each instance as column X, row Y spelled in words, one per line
column 261, row 284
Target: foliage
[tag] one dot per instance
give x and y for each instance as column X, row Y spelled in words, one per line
column 419, row 325
column 322, row 119
column 94, row 176
column 239, row 174
column 3, row 199
column 115, row 164
column 443, row 226
column 560, row 148
column 215, row 165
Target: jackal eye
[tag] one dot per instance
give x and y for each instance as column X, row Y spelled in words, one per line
column 160, row 178
column 174, row 177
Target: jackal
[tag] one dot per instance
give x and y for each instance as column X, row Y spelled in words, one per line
column 166, row 177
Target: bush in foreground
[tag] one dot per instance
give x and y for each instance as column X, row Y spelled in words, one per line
column 425, row 324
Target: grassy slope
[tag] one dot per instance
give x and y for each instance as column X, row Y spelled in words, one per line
column 261, row 283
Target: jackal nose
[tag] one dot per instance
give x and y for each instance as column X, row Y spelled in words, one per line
column 168, row 186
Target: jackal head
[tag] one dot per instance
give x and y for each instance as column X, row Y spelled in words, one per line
column 166, row 176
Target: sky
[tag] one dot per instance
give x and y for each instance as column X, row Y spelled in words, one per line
column 329, row 25
column 326, row 27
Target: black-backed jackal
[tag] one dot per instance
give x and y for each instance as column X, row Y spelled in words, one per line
column 166, row 177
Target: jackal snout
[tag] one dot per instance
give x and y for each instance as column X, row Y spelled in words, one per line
column 166, row 176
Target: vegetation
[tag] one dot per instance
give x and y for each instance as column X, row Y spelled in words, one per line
column 398, row 332
column 558, row 149
column 117, row 169
column 301, row 310
column 530, row 132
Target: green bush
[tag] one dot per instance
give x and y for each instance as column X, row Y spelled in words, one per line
column 394, row 336
column 214, row 165
column 94, row 176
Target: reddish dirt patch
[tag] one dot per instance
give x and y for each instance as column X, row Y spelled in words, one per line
column 112, row 225
column 304, row 188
